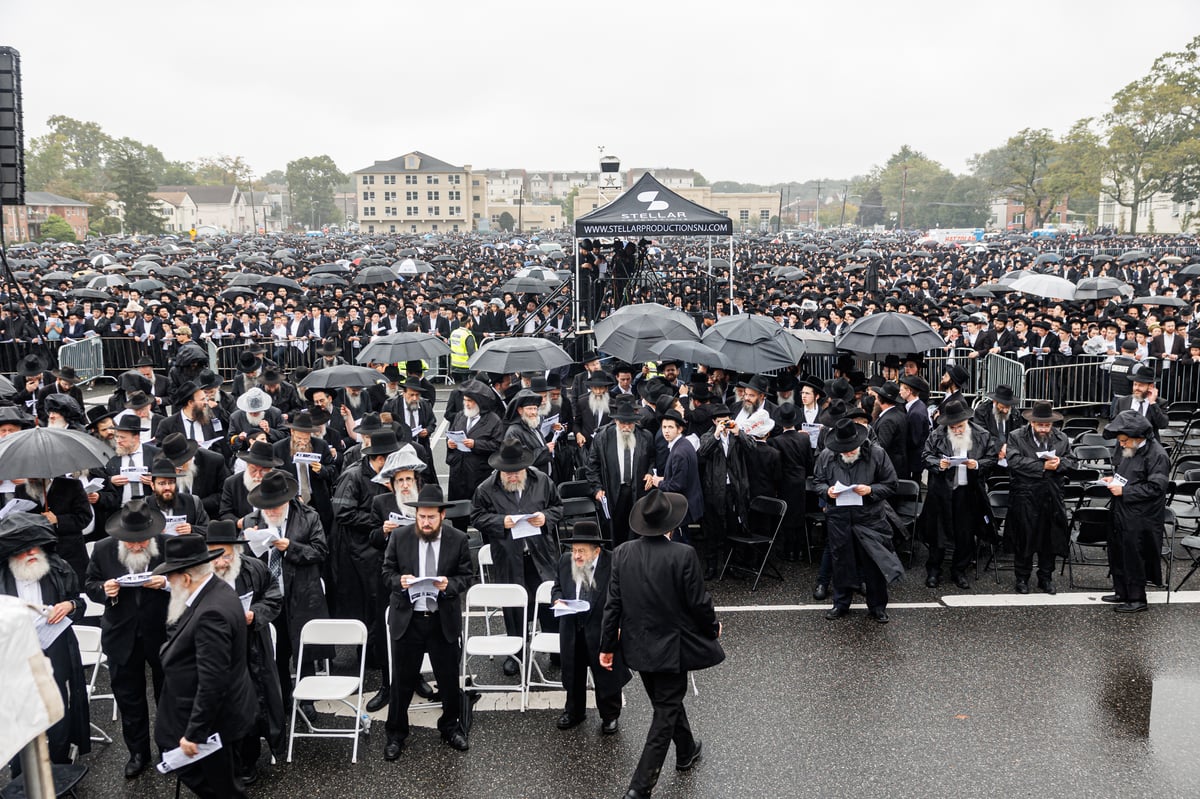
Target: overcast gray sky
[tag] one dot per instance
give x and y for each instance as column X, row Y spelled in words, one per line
column 745, row 90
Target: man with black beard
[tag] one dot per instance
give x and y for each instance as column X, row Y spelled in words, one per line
column 32, row 572
column 426, row 619
column 193, row 418
column 134, row 625
column 526, row 429
column 184, row 513
column 259, row 460
column 251, row 576
column 995, row 414
column 198, row 471
column 856, row 477
column 959, row 456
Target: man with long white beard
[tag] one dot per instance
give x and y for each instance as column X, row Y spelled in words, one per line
column 255, row 413
column 184, row 512
column 515, row 489
column 959, row 456
column 619, row 459
column 856, row 477
column 468, row 463
column 995, row 414
column 134, row 625
column 259, row 459
column 526, row 429
column 31, row 571
column 249, row 576
column 1141, row 471
column 207, row 686
column 583, row 575
column 593, row 411
column 65, row 506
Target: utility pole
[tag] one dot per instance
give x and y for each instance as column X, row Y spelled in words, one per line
column 817, row 215
column 845, row 193
column 903, row 193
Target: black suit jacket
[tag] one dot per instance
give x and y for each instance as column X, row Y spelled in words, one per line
column 133, row 612
column 918, row 431
column 454, row 563
column 207, row 687
column 211, row 472
column 603, row 468
column 891, row 431
column 588, row 623
column 1154, row 412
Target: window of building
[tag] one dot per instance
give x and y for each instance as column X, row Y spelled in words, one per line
column 433, row 228
column 454, row 228
column 412, row 228
column 455, row 179
column 389, row 195
column 390, row 211
column 411, row 195
column 389, row 180
column 431, row 180
column 412, row 210
column 412, row 162
column 455, row 210
column 370, row 228
column 765, row 215
column 475, row 197
column 410, row 180
column 435, row 210
column 474, row 182
column 723, row 213
column 368, row 180
column 368, row 210
column 433, row 195
column 391, row 228
column 744, row 215
column 454, row 195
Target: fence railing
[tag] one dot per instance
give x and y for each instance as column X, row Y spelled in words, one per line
column 86, row 357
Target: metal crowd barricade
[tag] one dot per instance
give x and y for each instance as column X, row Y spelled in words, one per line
column 1079, row 383
column 1000, row 370
column 120, row 353
column 85, row 356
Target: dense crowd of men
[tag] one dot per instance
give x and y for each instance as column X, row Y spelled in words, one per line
column 315, row 503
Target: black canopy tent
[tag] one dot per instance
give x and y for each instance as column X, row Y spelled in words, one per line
column 649, row 209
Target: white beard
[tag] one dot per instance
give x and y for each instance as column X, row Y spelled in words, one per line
column 1127, row 452
column 57, row 423
column 353, row 402
column 230, row 575
column 249, row 482
column 29, row 572
column 1000, row 417
column 532, row 424
column 626, row 440
column 405, row 498
column 850, row 460
column 519, row 486
column 583, row 574
column 255, row 418
column 183, row 482
column 177, row 607
column 598, row 404
column 35, row 489
column 786, row 401
column 546, row 408
column 960, row 443
column 136, row 562
column 392, row 393
column 470, row 413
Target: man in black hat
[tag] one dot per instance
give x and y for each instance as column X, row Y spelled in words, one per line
column 414, row 411
column 812, row 391
column 526, row 428
column 525, row 551
column 661, row 617
column 996, row 415
column 259, row 459
column 855, row 477
column 1143, row 398
column 795, row 465
column 724, row 455
column 424, row 618
column 284, row 395
column 315, row 469
column 578, row 390
column 754, row 398
column 1039, row 457
column 913, row 390
column 207, row 686
column 294, row 560
column 198, row 471
column 681, row 473
column 129, row 469
column 248, row 576
column 329, row 354
column 594, row 409
column 482, row 433
column 139, row 404
column 134, row 625
column 193, row 418
column 954, row 380
column 65, row 380
column 959, row 456
column 1139, row 485
column 184, row 512
column 890, row 425
column 583, row 575
column 618, row 461
column 31, row 570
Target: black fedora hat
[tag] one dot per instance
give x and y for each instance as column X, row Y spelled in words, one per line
column 600, row 379
column 179, row 450
column 625, row 412
column 589, row 356
column 20, row 531
column 815, row 384
column 958, row 375
column 223, row 531
column 431, row 497
column 208, row 379
column 657, row 513
column 525, row 397
column 248, row 363
column 512, row 456
column 11, row 414
column 382, row 443
column 759, row 383
column 138, row 399
column 184, row 393
column 1042, row 412
column 31, row 366
column 840, row 388
column 889, row 392
column 130, row 423
column 585, row 532
column 162, row 467
column 302, row 422
column 98, row 413
column 847, row 436
column 787, row 415
column 271, row 376
column 1143, row 373
column 67, row 374
column 183, row 552
column 136, row 521
column 330, row 346
column 915, row 382
column 260, row 453
column 276, row 489
column 952, row 413
column 372, row 423
column 1003, row 394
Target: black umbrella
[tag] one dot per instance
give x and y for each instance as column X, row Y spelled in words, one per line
column 325, row 279
column 330, row 269
column 90, row 294
column 237, row 291
column 753, row 342
column 277, row 282
column 50, row 277
column 690, row 351
column 374, row 275
column 1166, row 302
column 50, row 452
column 443, row 258
column 1094, row 288
column 169, row 271
column 525, row 285
column 519, row 354
column 343, row 375
column 889, row 334
column 147, row 284
column 405, row 346
column 245, row 279
column 629, row 335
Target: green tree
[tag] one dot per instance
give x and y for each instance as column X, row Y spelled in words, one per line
column 57, row 228
column 85, row 147
column 871, row 211
column 276, row 177
column 568, row 205
column 1021, row 169
column 132, row 182
column 507, row 222
column 1076, row 169
column 224, row 170
column 312, row 182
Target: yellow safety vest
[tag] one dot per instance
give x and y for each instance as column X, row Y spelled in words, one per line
column 458, row 347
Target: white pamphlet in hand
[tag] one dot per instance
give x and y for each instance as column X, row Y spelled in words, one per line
column 423, row 587
column 458, row 437
column 957, row 461
column 246, row 598
column 1118, row 480
column 208, row 442
column 48, row 633
column 522, row 528
column 604, row 506
column 548, row 424
column 172, row 525
column 176, row 759
column 814, row 432
column 261, row 539
column 1047, row 454
column 134, row 580
column 93, row 485
column 845, row 495
column 17, row 505
column 566, row 607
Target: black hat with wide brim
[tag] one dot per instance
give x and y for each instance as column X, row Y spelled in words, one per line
column 847, row 435
column 137, row 521
column 585, row 532
column 1042, row 412
column 183, row 552
column 1003, row 394
column 511, row 457
column 21, row 531
column 952, row 413
column 431, row 497
column 657, row 513
column 276, row 489
column 260, row 453
column 223, row 531
column 179, row 450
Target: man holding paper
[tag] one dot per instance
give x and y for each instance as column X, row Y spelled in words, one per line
column 427, row 567
column 855, row 477
column 526, row 428
column 1141, row 471
column 184, row 513
column 517, row 510
column 134, row 625
column 580, row 590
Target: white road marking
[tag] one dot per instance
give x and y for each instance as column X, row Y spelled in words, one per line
column 987, row 601
column 823, row 606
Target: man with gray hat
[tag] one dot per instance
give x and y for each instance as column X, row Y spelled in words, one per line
column 1138, row 484
column 255, row 413
column 134, row 625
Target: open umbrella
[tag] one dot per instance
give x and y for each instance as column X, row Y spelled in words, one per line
column 889, row 333
column 1048, row 286
column 325, row 279
column 815, row 342
column 1133, row 255
column 147, row 284
column 404, row 346
column 168, row 271
column 90, row 294
column 1094, row 288
column 1016, row 274
column 343, row 375
column 1169, row 302
column 754, row 343
column 1048, row 258
column 50, row 452
column 277, row 282
column 691, row 352
column 519, row 354
column 56, row 276
column 245, row 279
column 525, row 285
column 631, row 330
column 1170, row 259
column 374, row 276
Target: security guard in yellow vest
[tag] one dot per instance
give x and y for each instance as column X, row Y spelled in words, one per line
column 462, row 346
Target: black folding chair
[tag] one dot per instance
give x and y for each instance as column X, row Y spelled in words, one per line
column 998, row 504
column 1090, row 526
column 771, row 511
column 907, row 504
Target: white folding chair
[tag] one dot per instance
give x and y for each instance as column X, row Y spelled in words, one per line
column 540, row 642
column 485, row 562
column 91, row 654
column 332, row 632
column 426, row 666
column 491, row 597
